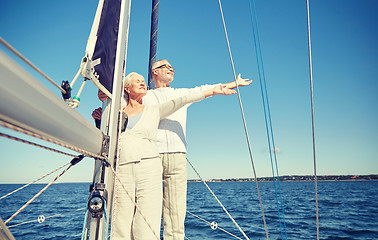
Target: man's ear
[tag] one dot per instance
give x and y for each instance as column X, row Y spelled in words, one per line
column 154, row 71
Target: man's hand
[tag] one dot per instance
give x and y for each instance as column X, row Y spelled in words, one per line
column 240, row 81
column 101, row 95
column 243, row 82
column 96, row 114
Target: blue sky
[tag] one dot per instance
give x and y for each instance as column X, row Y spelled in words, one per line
column 53, row 35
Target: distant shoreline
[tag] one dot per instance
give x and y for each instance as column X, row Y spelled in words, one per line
column 289, row 178
column 297, row 178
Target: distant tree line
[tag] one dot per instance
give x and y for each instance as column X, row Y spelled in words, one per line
column 372, row 177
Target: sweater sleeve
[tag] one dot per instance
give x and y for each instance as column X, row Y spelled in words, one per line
column 172, row 106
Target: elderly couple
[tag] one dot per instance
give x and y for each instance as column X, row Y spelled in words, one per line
column 152, row 149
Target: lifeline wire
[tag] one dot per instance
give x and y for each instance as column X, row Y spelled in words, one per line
column 216, row 198
column 312, row 118
column 245, row 125
column 33, row 181
column 36, row 220
column 18, row 54
column 267, row 115
column 39, row 193
column 210, row 224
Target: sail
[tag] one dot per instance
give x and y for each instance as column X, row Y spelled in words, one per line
column 102, row 45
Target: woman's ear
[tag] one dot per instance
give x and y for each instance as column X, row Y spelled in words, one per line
column 126, row 89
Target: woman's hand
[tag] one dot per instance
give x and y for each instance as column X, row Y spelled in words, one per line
column 222, row 90
column 218, row 90
column 96, row 114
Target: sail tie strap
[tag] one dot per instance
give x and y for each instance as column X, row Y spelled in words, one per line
column 73, row 162
column 244, row 122
column 216, row 198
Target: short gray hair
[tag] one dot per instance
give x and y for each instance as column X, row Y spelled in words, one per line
column 156, row 63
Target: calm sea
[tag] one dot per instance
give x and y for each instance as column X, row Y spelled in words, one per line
column 347, row 210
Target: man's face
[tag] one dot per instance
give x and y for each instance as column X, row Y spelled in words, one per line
column 164, row 72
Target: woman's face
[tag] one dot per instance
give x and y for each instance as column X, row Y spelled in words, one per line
column 137, row 87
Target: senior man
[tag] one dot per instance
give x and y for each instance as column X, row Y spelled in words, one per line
column 172, row 146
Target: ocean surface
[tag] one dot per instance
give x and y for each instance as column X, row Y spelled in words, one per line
column 347, row 210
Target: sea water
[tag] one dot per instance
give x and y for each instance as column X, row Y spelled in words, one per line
column 347, row 210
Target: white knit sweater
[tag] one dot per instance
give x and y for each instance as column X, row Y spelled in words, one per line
column 171, row 135
column 139, row 142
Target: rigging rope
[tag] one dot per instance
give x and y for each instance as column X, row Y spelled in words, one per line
column 33, row 181
column 18, row 54
column 37, row 220
column 73, row 162
column 266, row 107
column 135, row 204
column 84, row 230
column 244, row 122
column 27, row 132
column 312, row 119
column 216, row 198
column 211, row 223
column 35, row 144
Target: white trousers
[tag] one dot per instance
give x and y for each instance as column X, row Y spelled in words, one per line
column 174, row 195
column 143, row 181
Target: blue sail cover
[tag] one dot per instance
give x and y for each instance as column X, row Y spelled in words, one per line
column 106, row 44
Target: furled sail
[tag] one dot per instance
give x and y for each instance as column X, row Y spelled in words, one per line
column 101, row 48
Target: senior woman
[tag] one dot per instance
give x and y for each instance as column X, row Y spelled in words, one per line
column 139, row 166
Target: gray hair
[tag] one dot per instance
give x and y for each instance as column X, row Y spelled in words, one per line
column 127, row 82
column 156, row 63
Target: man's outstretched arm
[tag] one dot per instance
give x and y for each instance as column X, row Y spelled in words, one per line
column 241, row 82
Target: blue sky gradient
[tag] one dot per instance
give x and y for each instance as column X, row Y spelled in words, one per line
column 53, row 35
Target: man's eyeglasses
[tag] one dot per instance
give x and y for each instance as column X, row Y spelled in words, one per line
column 169, row 67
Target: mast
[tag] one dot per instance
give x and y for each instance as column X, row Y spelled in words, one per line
column 103, row 180
column 153, row 40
